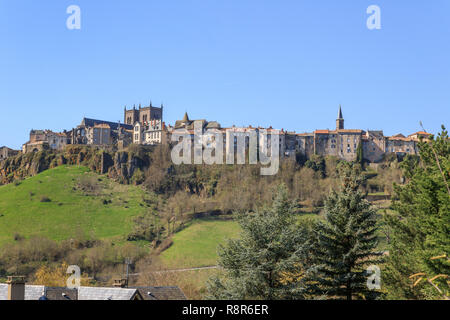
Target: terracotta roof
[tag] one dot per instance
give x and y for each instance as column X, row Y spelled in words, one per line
column 396, row 138
column 322, row 131
column 423, row 133
column 351, row 130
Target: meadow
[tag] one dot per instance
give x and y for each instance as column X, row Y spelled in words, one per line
column 58, row 204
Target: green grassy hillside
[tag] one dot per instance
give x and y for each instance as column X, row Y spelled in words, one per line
column 63, row 202
column 196, row 245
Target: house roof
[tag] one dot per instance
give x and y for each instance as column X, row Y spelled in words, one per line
column 161, row 293
column 322, row 131
column 351, row 130
column 399, row 135
column 31, row 292
column 398, row 138
column 113, row 125
column 420, row 133
column 36, row 292
column 61, row 294
column 94, row 293
column 213, row 125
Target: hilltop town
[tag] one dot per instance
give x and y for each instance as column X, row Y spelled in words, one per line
column 145, row 126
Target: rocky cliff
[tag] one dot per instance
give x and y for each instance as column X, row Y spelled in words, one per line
column 124, row 166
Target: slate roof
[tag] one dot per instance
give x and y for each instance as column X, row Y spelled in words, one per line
column 31, row 292
column 340, row 113
column 161, row 293
column 61, row 294
column 93, row 293
column 113, row 125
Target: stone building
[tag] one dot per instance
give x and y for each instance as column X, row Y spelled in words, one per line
column 419, row 135
column 152, row 133
column 374, row 145
column 100, row 132
column 6, row 152
column 400, row 145
column 343, row 143
column 45, row 139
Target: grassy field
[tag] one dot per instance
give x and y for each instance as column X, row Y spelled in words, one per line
column 70, row 211
column 196, row 245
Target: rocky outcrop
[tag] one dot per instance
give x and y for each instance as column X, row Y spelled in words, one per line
column 118, row 165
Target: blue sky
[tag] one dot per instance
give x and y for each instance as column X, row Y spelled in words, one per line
column 286, row 64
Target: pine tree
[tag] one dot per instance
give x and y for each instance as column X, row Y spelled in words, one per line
column 359, row 155
column 420, row 242
column 344, row 244
column 266, row 262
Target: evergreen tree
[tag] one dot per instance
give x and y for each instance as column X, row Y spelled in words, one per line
column 420, row 242
column 359, row 155
column 344, row 244
column 266, row 262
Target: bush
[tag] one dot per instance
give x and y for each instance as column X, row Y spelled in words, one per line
column 45, row 199
column 18, row 237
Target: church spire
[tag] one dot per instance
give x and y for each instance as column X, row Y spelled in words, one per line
column 340, row 120
column 340, row 113
column 186, row 117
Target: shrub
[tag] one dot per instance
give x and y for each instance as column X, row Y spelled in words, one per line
column 45, row 199
column 18, row 237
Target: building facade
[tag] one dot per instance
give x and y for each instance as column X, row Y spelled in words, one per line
column 45, row 139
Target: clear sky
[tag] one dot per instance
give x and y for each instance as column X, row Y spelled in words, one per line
column 281, row 63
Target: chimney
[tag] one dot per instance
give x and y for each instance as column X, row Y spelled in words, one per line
column 16, row 288
column 120, row 283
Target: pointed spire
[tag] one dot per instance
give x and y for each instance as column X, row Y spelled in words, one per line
column 186, row 117
column 340, row 113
